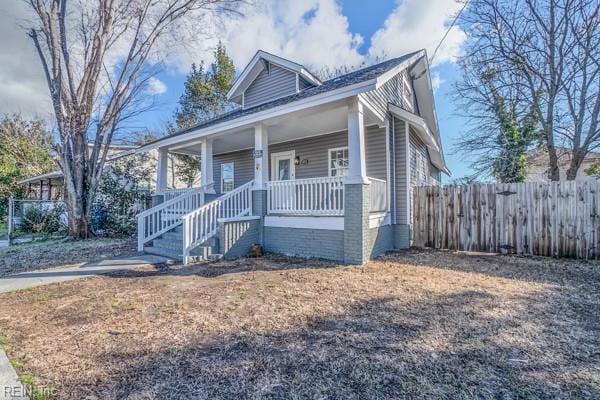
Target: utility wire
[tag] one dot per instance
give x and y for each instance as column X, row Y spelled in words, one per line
column 456, row 17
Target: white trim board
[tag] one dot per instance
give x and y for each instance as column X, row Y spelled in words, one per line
column 239, row 219
column 379, row 219
column 306, row 222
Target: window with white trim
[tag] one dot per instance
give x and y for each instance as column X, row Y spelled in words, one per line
column 227, row 181
column 338, row 161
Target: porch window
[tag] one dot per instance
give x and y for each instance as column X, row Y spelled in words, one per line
column 338, row 161
column 227, row 183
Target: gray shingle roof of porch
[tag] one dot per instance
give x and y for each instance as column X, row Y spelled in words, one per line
column 358, row 76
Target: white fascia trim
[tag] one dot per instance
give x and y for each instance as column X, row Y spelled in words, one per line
column 383, row 78
column 417, row 122
column 245, row 72
column 367, row 103
column 425, row 134
column 251, row 119
column 310, row 77
column 239, row 219
column 309, row 222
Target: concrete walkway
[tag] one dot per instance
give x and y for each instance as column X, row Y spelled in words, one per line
column 30, row 279
column 10, row 387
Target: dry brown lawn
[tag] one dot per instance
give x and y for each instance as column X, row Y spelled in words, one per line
column 419, row 324
column 57, row 252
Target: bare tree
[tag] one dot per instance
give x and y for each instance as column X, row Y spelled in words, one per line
column 548, row 51
column 96, row 58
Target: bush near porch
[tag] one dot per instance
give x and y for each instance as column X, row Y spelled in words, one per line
column 420, row 324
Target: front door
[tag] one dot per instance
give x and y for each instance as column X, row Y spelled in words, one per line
column 282, row 166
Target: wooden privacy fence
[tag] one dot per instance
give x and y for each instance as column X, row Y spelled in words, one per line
column 558, row 219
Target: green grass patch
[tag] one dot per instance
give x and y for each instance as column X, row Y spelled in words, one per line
column 4, row 343
column 17, row 365
column 35, row 391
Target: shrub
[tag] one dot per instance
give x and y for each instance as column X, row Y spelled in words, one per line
column 122, row 194
column 37, row 219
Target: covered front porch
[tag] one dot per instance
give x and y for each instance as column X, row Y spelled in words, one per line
column 301, row 160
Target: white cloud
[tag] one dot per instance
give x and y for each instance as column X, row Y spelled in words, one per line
column 312, row 32
column 436, row 80
column 23, row 87
column 420, row 24
column 156, row 87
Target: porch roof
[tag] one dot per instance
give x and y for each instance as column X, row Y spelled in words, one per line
column 360, row 77
column 49, row 175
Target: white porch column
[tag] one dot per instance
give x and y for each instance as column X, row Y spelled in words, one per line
column 162, row 169
column 206, row 167
column 357, row 163
column 261, row 159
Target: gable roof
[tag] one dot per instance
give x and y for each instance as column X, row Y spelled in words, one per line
column 371, row 74
column 257, row 64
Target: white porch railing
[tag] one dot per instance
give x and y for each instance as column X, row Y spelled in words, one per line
column 313, row 196
column 157, row 220
column 172, row 193
column 378, row 195
column 201, row 224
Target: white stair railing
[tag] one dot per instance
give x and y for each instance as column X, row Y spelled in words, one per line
column 157, row 220
column 312, row 196
column 378, row 195
column 201, row 224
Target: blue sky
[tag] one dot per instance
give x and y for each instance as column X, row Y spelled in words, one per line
column 315, row 33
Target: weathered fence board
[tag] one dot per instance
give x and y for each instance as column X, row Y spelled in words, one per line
column 558, row 219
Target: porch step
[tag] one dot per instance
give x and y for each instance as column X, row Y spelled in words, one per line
column 170, row 244
column 200, row 253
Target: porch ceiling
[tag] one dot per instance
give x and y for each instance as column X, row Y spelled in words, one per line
column 312, row 122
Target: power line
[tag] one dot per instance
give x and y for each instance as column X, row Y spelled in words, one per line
column 448, row 31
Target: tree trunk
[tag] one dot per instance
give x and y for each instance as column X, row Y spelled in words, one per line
column 76, row 215
column 553, row 163
column 576, row 161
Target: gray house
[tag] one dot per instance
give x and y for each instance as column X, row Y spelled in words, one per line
column 302, row 167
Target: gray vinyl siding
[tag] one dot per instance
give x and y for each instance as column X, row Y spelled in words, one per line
column 314, row 153
column 269, row 86
column 243, row 167
column 376, row 152
column 420, row 164
column 401, row 183
column 391, row 92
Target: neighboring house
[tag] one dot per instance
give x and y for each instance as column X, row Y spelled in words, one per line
column 50, row 186
column 303, row 167
column 538, row 170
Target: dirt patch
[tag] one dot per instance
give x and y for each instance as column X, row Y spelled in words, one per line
column 54, row 253
column 420, row 324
